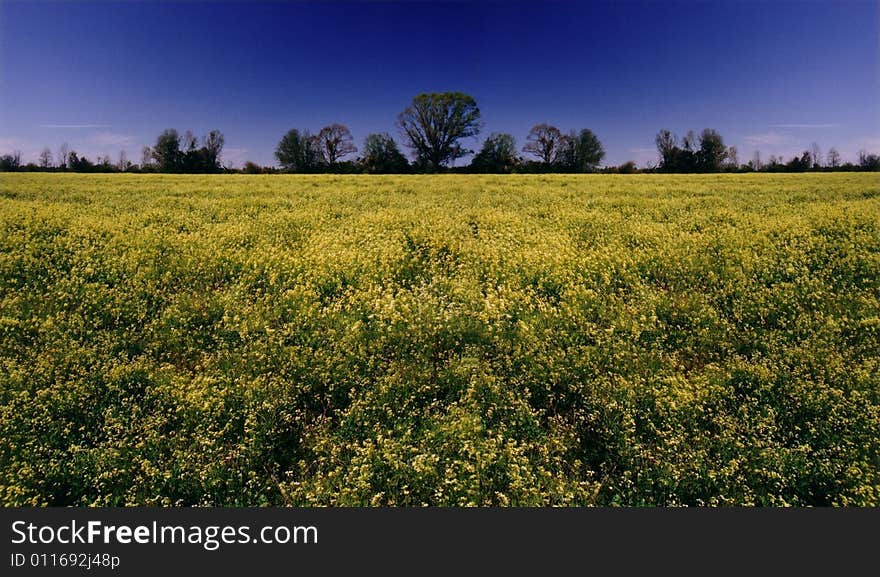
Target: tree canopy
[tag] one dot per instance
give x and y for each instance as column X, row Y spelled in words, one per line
column 434, row 125
column 297, row 152
column 334, row 142
column 382, row 156
column 706, row 153
column 581, row 152
column 498, row 155
column 173, row 154
column 544, row 142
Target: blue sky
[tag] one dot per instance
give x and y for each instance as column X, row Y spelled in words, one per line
column 106, row 76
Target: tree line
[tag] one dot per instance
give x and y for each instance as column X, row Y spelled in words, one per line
column 434, row 128
column 172, row 153
column 707, row 153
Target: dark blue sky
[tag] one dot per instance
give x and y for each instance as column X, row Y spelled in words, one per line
column 769, row 75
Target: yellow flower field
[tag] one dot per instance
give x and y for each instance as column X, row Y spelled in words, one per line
column 444, row 340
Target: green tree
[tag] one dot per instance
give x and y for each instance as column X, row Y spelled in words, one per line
column 382, row 156
column 498, row 155
column 581, row 152
column 166, row 152
column 213, row 147
column 251, row 167
column 434, row 125
column 667, row 148
column 869, row 162
column 297, row 152
column 712, row 152
column 628, row 167
column 79, row 164
column 10, row 162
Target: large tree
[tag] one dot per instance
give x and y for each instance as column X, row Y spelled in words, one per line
column 667, row 148
column 712, row 152
column 298, row 152
column 191, row 160
column 498, row 155
column 435, row 123
column 334, row 142
column 382, row 156
column 581, row 152
column 833, row 158
column 166, row 152
column 190, row 142
column 544, row 142
column 213, row 146
column 870, row 162
column 705, row 153
column 63, row 153
column 10, row 162
column 79, row 164
column 46, row 158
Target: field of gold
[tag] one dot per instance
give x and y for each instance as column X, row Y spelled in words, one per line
column 445, row 340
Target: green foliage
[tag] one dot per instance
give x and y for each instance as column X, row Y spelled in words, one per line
column 442, row 340
column 709, row 157
column 435, row 123
column 712, row 153
column 498, row 155
column 298, row 152
column 580, row 152
column 382, row 156
column 167, row 152
column 170, row 157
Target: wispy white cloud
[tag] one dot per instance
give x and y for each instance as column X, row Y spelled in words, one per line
column 766, row 139
column 805, row 126
column 112, row 139
column 74, row 126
